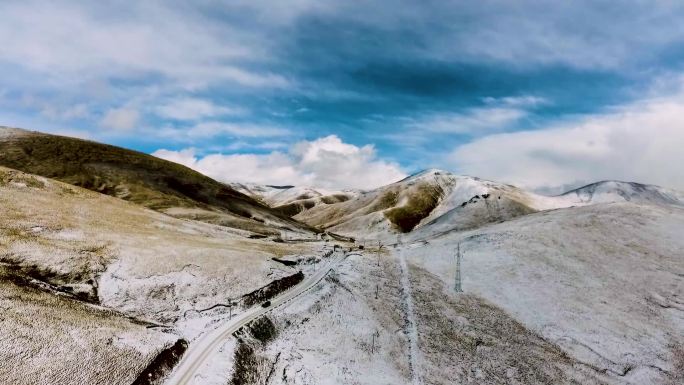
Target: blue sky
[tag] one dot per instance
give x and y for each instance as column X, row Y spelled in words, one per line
column 356, row 94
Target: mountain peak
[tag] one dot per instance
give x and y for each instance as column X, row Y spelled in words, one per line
column 615, row 190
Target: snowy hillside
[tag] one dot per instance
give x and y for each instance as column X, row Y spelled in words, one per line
column 292, row 200
column 435, row 201
column 588, row 295
column 603, row 282
column 92, row 259
column 616, row 191
column 419, row 200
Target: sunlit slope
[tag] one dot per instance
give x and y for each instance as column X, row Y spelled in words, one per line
column 104, row 250
column 139, row 178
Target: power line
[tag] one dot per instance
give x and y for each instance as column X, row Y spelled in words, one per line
column 457, row 283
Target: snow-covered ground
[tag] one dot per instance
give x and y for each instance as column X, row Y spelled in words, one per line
column 48, row 339
column 135, row 261
column 340, row 333
column 380, row 321
column 585, row 288
column 605, row 282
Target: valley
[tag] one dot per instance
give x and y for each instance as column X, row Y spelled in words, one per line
column 120, row 268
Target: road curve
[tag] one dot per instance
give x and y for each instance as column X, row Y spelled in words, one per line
column 201, row 349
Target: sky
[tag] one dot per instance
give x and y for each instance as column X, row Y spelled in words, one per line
column 357, row 94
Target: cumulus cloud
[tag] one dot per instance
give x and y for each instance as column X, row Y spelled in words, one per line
column 123, row 118
column 193, row 109
column 325, row 162
column 186, row 157
column 641, row 141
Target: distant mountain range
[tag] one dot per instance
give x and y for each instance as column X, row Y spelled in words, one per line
column 436, row 200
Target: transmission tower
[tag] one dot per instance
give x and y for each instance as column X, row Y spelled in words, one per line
column 457, row 283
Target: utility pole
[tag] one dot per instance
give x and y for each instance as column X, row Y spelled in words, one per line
column 376, row 291
column 375, row 334
column 457, row 284
column 379, row 246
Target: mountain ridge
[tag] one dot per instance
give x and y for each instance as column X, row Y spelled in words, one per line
column 140, row 178
column 439, row 200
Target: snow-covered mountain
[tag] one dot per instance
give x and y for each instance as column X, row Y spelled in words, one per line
column 292, row 200
column 617, row 191
column 434, row 201
column 411, row 203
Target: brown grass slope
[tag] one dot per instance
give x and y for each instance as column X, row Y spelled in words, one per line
column 50, row 339
column 302, row 204
column 419, row 206
column 137, row 177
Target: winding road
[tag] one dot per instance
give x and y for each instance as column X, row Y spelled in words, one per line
column 201, row 349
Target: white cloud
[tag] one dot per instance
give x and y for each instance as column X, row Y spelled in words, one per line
column 87, row 41
column 186, row 157
column 77, row 111
column 497, row 115
column 575, row 34
column 120, row 118
column 207, row 130
column 474, row 121
column 325, row 162
column 193, row 109
column 528, row 101
column 641, row 141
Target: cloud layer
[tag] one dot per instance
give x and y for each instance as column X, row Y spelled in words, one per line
column 325, row 162
column 641, row 141
column 416, row 79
